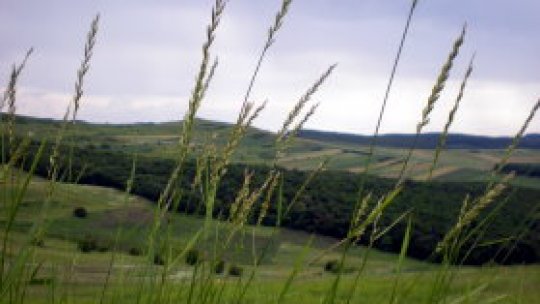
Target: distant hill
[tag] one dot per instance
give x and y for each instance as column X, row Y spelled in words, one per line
column 467, row 157
column 425, row 141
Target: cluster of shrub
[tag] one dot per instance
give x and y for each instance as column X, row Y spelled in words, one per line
column 90, row 243
column 195, row 257
column 334, row 266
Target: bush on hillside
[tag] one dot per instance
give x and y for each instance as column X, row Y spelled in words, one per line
column 37, row 242
column 219, row 267
column 102, row 248
column 80, row 212
column 134, row 251
column 158, row 260
column 88, row 244
column 236, row 271
column 332, row 266
column 193, row 256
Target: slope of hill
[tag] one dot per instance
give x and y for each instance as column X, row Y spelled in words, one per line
column 469, row 158
column 326, row 205
column 425, row 141
column 325, row 208
column 66, row 268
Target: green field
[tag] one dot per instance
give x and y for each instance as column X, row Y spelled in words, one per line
column 78, row 277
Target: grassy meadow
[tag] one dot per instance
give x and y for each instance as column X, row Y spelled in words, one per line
column 221, row 199
column 75, row 276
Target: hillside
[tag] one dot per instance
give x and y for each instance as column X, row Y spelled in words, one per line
column 425, row 141
column 119, row 226
column 103, row 155
column 326, row 205
column 468, row 159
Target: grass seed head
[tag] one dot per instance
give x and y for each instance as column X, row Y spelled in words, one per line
column 441, row 80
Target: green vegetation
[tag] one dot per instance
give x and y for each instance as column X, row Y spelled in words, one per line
column 326, row 203
column 64, row 259
column 220, row 219
column 467, row 161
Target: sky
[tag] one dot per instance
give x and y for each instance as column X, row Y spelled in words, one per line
column 148, row 52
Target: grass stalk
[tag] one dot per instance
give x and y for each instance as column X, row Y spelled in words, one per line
column 297, row 266
column 10, row 97
column 399, row 268
column 270, row 39
column 451, row 116
column 119, row 231
column 433, row 97
column 387, row 92
column 69, row 118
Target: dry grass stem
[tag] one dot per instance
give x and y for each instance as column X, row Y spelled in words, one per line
column 451, row 116
column 85, row 65
column 469, row 214
column 515, row 143
column 241, row 197
column 73, row 107
column 11, row 89
column 255, row 195
column 464, row 207
column 373, row 143
column 202, row 80
column 433, row 97
column 441, row 81
column 359, row 214
column 302, row 102
column 321, row 167
column 209, row 78
column 272, row 31
column 246, row 199
column 245, row 120
column 266, row 203
column 10, row 96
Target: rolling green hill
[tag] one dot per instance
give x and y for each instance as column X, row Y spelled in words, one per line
column 326, row 205
column 79, row 276
column 111, row 241
column 426, row 140
column 345, row 152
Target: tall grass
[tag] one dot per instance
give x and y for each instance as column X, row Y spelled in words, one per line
column 153, row 279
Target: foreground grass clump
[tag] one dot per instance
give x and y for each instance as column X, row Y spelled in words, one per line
column 131, row 250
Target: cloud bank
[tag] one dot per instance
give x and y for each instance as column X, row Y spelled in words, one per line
column 148, row 52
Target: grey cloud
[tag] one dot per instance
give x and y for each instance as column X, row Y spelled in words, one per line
column 148, row 49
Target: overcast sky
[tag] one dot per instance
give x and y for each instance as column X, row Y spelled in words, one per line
column 148, row 52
